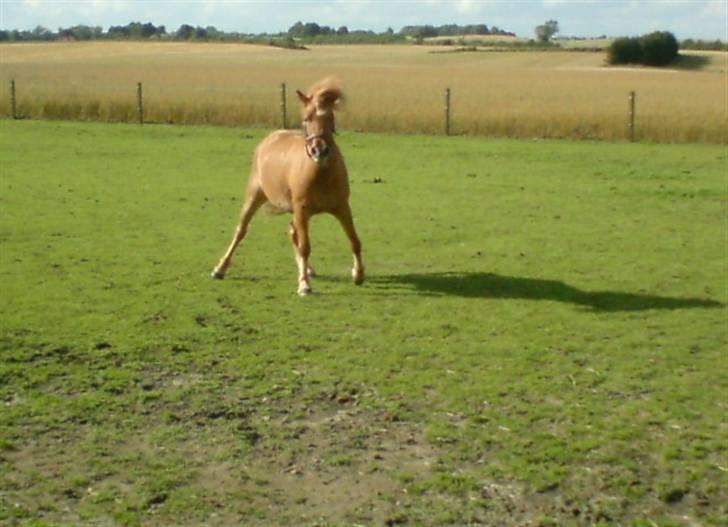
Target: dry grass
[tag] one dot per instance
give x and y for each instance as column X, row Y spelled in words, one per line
column 390, row 88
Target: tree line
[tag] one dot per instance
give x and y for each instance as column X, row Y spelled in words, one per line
column 309, row 31
column 452, row 30
column 131, row 31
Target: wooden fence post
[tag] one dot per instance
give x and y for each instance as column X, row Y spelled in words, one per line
column 284, row 108
column 13, row 108
column 632, row 102
column 447, row 111
column 140, row 103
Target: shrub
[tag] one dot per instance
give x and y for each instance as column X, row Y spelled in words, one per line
column 624, row 51
column 654, row 49
column 658, row 48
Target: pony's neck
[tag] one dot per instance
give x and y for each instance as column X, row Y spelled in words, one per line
column 330, row 132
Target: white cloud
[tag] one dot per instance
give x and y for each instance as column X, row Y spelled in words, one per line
column 466, row 7
column 564, row 3
column 106, row 6
column 718, row 8
column 33, row 4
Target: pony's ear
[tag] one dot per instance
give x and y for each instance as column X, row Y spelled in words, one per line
column 304, row 99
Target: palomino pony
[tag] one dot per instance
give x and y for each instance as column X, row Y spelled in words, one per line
column 303, row 174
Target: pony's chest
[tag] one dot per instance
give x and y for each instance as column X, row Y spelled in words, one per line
column 322, row 191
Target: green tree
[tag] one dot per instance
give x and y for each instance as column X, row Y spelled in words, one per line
column 658, row 48
column 185, row 32
column 625, row 50
column 547, row 30
column 654, row 49
column 41, row 33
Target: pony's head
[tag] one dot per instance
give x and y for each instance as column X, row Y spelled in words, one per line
column 318, row 116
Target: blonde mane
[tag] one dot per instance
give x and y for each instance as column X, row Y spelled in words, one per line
column 326, row 93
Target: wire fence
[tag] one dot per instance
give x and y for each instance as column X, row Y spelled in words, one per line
column 137, row 107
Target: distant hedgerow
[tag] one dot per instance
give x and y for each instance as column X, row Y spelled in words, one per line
column 654, row 49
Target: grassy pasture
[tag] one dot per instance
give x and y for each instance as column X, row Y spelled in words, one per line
column 541, row 340
column 390, row 88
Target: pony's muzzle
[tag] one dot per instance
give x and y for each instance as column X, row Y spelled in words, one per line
column 317, row 149
column 320, row 152
column 320, row 155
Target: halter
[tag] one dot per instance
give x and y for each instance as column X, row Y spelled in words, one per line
column 308, row 138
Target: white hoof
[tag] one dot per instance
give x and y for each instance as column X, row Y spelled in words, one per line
column 358, row 276
column 217, row 275
column 304, row 290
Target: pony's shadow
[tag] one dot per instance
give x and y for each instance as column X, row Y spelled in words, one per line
column 488, row 285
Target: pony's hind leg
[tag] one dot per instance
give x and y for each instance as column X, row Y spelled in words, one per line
column 347, row 223
column 252, row 204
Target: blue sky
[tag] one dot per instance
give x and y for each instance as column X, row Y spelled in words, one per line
column 707, row 19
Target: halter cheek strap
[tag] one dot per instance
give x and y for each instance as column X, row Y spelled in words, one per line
column 308, row 140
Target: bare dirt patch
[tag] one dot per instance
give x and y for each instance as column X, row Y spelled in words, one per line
column 341, row 464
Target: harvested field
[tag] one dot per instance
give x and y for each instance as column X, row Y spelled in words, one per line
column 396, row 89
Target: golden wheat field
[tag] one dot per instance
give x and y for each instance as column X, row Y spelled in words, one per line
column 393, row 88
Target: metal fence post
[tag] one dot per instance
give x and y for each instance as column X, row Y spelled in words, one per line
column 13, row 107
column 632, row 102
column 447, row 111
column 140, row 103
column 284, row 108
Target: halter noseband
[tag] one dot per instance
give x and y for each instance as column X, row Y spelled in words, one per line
column 309, row 147
column 309, row 138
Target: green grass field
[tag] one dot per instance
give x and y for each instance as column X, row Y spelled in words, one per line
column 541, row 339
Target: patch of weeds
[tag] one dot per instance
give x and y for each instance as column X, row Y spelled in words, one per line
column 399, row 518
column 129, row 517
column 442, row 433
column 673, row 495
column 449, row 483
column 7, row 445
column 547, row 521
column 341, row 460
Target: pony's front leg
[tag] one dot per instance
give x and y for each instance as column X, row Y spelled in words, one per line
column 302, row 248
column 294, row 241
column 252, row 204
column 347, row 222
